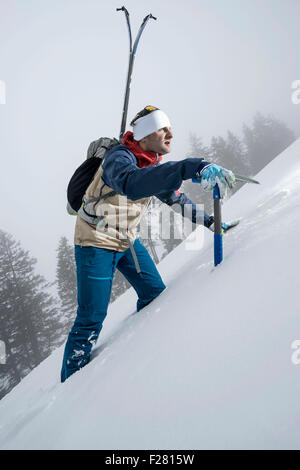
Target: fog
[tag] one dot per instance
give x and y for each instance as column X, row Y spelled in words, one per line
column 209, row 64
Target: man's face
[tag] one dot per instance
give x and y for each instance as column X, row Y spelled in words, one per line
column 159, row 141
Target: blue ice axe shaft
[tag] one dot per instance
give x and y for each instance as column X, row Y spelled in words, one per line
column 218, row 235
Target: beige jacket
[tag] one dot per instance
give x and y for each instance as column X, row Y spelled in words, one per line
column 116, row 217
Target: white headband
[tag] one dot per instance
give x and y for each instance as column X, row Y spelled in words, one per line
column 150, row 123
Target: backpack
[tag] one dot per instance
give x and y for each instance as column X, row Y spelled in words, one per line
column 84, row 174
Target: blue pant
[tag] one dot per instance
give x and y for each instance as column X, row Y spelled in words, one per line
column 95, row 272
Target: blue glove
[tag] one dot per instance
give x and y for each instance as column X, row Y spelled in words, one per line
column 215, row 174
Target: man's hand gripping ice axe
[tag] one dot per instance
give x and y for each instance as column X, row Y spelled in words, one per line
column 218, row 179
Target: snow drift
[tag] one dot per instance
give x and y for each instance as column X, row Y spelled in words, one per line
column 207, row 365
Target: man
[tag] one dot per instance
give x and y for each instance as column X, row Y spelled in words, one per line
column 120, row 194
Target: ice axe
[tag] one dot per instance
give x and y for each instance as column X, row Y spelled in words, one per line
column 245, row 179
column 218, row 232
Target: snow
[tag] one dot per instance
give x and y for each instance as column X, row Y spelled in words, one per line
column 207, row 365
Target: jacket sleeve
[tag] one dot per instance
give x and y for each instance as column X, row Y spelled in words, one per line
column 121, row 173
column 182, row 204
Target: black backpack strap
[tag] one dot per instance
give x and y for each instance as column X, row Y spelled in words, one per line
column 105, row 196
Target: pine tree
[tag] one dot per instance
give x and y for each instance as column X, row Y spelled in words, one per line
column 197, row 148
column 30, row 325
column 238, row 155
column 230, row 154
column 267, row 138
column 66, row 282
column 219, row 154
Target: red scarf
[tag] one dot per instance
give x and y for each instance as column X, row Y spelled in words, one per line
column 143, row 158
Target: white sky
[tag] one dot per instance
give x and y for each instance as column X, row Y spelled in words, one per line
column 209, row 64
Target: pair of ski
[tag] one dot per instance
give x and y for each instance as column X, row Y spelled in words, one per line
column 132, row 52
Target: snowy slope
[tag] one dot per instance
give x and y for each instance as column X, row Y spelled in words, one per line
column 207, row 365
